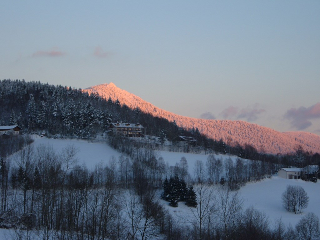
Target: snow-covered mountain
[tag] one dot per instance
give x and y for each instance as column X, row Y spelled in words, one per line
column 262, row 138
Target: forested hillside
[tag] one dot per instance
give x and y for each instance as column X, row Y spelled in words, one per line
column 231, row 132
column 69, row 112
column 66, row 112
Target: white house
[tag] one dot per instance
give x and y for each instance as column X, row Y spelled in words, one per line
column 290, row 173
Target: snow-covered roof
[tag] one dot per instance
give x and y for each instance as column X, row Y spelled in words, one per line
column 292, row 169
column 8, row 127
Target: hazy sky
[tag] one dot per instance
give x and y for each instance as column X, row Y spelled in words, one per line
column 257, row 61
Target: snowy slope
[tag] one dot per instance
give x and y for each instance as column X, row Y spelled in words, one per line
column 88, row 153
column 264, row 196
column 262, row 138
column 91, row 154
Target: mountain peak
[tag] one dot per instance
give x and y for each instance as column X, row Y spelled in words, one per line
column 232, row 132
column 111, row 84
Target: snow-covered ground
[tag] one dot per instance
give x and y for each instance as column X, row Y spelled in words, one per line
column 88, row 153
column 6, row 234
column 93, row 153
column 264, row 196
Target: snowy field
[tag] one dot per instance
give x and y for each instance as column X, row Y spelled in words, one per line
column 264, row 196
column 6, row 234
column 88, row 153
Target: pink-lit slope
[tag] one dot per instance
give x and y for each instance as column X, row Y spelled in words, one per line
column 262, row 138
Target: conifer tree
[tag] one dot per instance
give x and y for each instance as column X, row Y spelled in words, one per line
column 182, row 189
column 191, row 198
column 174, row 193
column 175, row 190
column 166, row 190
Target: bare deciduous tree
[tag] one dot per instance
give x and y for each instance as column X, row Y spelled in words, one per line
column 308, row 227
column 199, row 171
column 184, row 168
column 295, row 199
column 229, row 210
column 205, row 209
column 254, row 225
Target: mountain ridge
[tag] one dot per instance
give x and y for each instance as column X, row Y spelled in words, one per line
column 232, row 132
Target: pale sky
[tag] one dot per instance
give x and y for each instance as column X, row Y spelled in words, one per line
column 257, row 61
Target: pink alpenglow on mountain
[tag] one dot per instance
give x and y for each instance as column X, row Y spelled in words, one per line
column 232, row 132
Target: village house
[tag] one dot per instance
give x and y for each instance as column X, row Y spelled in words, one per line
column 290, row 173
column 12, row 130
column 128, row 129
column 185, row 141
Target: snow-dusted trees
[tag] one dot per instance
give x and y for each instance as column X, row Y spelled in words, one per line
column 141, row 218
column 199, row 172
column 175, row 190
column 214, row 168
column 184, row 168
column 229, row 206
column 241, row 174
column 31, row 113
column 295, row 199
column 25, row 171
column 308, row 227
column 125, row 170
column 4, row 174
column 254, row 225
column 203, row 213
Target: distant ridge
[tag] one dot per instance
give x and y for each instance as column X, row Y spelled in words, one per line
column 232, row 132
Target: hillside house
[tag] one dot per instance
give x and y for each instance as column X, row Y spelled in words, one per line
column 12, row 130
column 290, row 173
column 128, row 129
column 185, row 141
